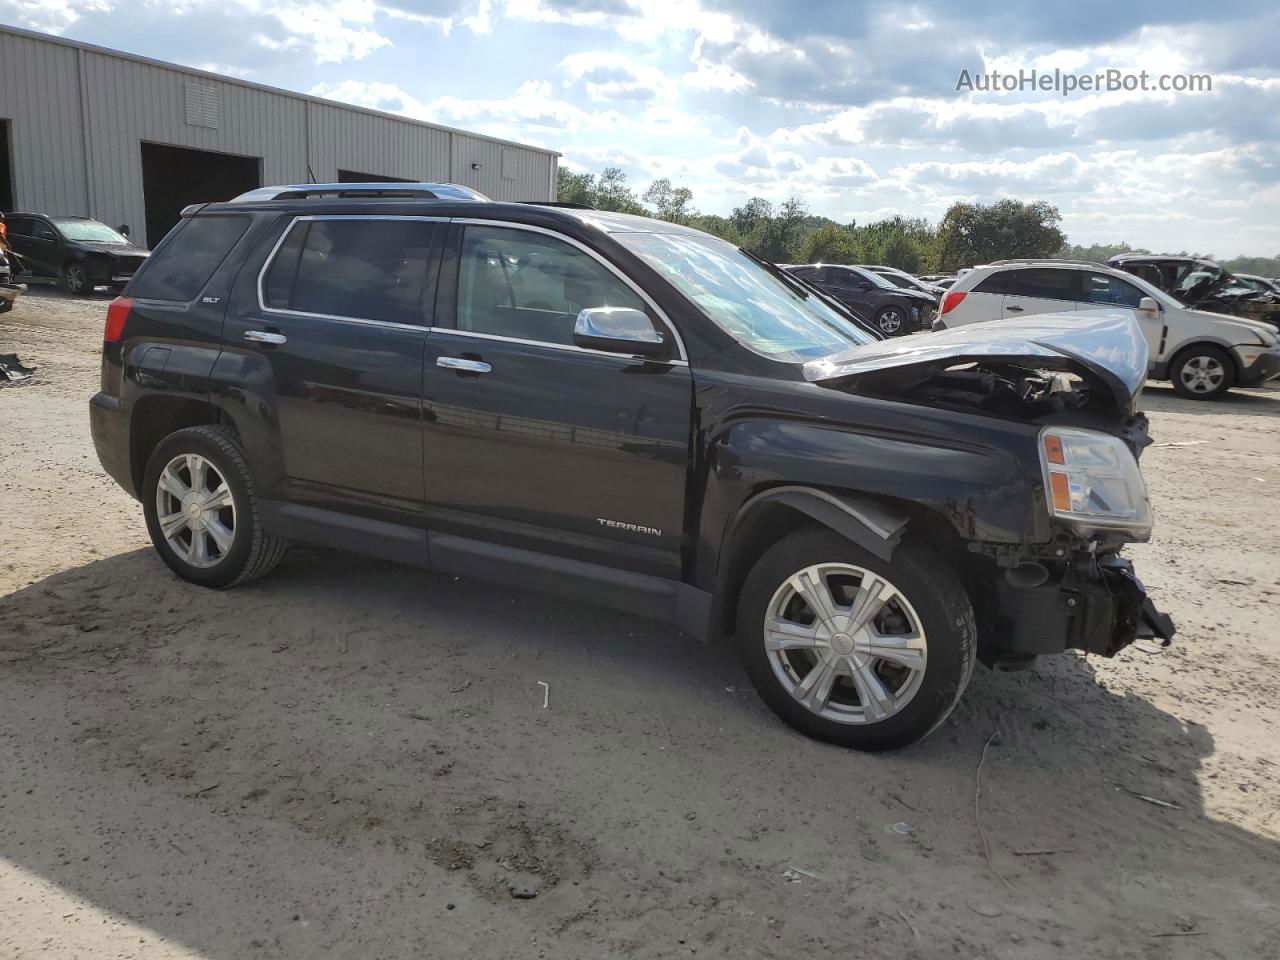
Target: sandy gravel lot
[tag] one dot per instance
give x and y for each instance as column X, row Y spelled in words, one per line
column 352, row 759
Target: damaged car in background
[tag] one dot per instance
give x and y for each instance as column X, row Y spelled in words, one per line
column 699, row 437
column 1204, row 285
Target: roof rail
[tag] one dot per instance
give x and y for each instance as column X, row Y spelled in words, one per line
column 1084, row 263
column 399, row 191
column 563, row 204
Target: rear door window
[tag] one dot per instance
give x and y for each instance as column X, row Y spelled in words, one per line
column 362, row 269
column 1045, row 284
column 185, row 261
column 19, row 225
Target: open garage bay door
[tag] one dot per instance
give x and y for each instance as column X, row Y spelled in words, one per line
column 173, row 177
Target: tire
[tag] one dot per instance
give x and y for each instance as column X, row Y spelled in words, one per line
column 75, row 279
column 892, row 321
column 221, row 560
column 907, row 702
column 1202, row 372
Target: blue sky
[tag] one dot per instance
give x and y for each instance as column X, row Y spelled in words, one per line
column 852, row 106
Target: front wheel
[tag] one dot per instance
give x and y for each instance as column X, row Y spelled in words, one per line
column 198, row 497
column 850, row 649
column 892, row 321
column 75, row 279
column 1202, row 373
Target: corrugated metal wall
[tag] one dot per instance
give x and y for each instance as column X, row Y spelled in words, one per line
column 53, row 92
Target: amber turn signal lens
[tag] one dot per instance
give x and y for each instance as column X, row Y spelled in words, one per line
column 1053, row 449
column 1061, row 491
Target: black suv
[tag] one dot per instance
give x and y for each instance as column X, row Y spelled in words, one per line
column 77, row 252
column 639, row 415
column 894, row 310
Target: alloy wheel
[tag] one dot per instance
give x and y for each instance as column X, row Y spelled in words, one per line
column 1202, row 374
column 76, row 279
column 196, row 510
column 891, row 321
column 845, row 643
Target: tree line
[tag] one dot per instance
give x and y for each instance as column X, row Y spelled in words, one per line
column 967, row 234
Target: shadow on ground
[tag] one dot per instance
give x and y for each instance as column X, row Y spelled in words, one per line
column 351, row 758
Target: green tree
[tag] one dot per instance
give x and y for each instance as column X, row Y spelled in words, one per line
column 828, row 244
column 973, row 233
column 612, row 193
column 674, row 204
column 575, row 187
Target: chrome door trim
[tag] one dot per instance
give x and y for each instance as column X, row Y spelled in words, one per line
column 666, row 321
column 569, row 347
column 275, row 250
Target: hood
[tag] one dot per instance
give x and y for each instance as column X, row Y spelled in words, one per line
column 1107, row 347
column 915, row 294
column 115, row 249
column 1254, row 330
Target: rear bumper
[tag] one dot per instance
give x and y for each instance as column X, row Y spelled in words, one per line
column 1096, row 604
column 109, row 425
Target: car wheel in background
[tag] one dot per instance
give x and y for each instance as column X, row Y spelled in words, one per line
column 852, row 649
column 892, row 321
column 75, row 279
column 1202, row 373
column 198, row 497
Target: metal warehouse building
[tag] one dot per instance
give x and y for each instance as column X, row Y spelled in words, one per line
column 86, row 131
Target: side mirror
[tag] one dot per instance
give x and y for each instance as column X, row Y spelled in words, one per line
column 1149, row 306
column 124, row 230
column 865, row 285
column 618, row 330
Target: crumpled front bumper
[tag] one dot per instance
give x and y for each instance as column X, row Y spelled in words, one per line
column 1095, row 603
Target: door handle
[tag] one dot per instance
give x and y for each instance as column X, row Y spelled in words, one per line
column 264, row 336
column 1014, row 309
column 463, row 365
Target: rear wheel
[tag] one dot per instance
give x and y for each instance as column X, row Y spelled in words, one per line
column 1203, row 373
column 851, row 649
column 201, row 511
column 75, row 279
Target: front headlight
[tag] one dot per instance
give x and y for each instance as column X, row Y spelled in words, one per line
column 1093, row 484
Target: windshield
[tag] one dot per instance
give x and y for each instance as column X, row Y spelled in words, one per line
column 90, row 231
column 744, row 298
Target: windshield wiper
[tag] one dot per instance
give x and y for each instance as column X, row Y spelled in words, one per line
column 777, row 271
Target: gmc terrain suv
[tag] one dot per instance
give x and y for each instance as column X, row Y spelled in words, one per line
column 639, row 415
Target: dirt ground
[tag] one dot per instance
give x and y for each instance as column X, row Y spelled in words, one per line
column 352, row 759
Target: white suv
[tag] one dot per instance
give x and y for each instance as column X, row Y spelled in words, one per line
column 1203, row 354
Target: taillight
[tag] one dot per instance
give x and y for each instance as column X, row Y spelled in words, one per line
column 117, row 315
column 952, row 300
column 4, row 230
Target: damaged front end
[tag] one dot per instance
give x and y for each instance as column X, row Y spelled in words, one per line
column 1068, row 596
column 1077, row 380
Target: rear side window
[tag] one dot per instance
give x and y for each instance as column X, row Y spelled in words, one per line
column 19, row 225
column 1044, row 284
column 373, row 269
column 183, row 264
column 997, row 283
column 1104, row 288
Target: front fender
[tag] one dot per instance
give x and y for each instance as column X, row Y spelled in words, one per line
column 984, row 480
